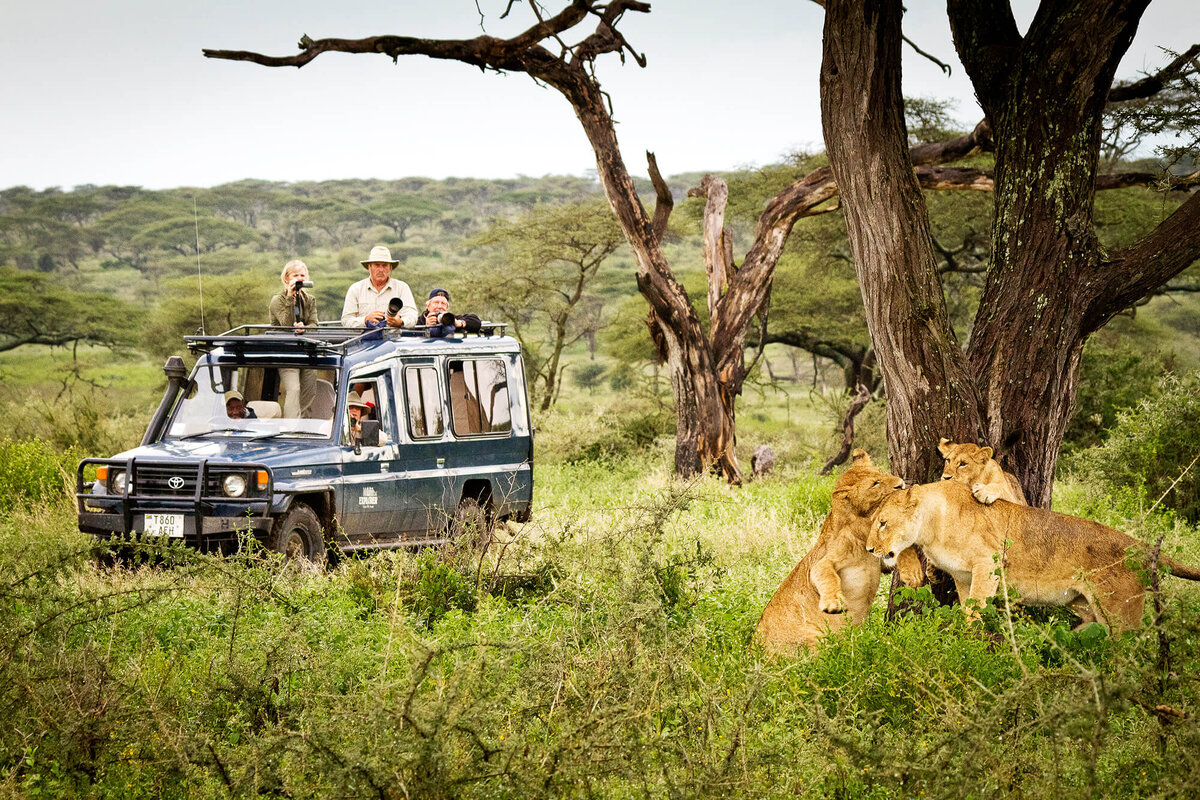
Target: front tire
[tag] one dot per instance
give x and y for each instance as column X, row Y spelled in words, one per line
column 298, row 535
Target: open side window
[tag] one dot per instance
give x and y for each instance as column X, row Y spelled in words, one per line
column 479, row 402
column 375, row 390
column 426, row 415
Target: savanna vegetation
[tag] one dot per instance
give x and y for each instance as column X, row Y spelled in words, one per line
column 604, row 648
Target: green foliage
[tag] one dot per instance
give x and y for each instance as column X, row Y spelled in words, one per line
column 33, row 473
column 229, row 301
column 1153, row 445
column 605, row 433
column 629, row 674
column 1112, row 377
column 588, row 376
column 39, row 310
column 544, row 279
column 440, row 589
column 929, row 119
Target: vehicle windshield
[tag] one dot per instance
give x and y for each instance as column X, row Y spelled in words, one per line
column 256, row 402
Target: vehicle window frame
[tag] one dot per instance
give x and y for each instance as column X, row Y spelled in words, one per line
column 441, row 401
column 475, row 359
column 383, row 403
column 232, row 375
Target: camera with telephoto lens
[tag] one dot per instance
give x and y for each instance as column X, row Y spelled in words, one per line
column 395, row 306
column 446, row 318
column 298, row 285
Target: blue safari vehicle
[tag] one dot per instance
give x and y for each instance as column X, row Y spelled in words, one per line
column 444, row 429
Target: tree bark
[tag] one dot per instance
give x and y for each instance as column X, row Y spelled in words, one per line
column 1050, row 285
column 929, row 387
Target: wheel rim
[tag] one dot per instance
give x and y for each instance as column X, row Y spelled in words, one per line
column 294, row 544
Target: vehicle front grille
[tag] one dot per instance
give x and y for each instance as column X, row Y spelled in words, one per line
column 177, row 481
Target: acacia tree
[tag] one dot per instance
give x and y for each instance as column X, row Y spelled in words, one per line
column 544, row 282
column 933, row 391
column 706, row 367
column 1049, row 283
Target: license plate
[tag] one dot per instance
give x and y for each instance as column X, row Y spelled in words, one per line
column 164, row 525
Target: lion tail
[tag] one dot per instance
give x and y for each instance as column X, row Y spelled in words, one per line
column 1182, row 570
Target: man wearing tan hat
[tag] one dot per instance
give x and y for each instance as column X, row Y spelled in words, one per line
column 367, row 301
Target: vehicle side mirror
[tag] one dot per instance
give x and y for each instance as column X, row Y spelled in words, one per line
column 370, row 432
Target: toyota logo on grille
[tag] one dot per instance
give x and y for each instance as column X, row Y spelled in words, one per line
column 175, row 482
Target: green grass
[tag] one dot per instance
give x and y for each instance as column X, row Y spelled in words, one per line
column 626, row 672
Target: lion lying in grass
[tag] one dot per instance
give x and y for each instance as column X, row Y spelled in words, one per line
column 835, row 582
column 1053, row 559
column 974, row 467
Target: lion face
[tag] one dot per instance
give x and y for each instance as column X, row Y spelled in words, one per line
column 864, row 486
column 965, row 463
column 892, row 529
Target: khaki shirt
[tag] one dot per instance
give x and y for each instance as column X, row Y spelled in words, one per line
column 362, row 299
column 283, row 309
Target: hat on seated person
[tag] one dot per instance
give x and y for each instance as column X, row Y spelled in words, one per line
column 380, row 254
column 435, row 292
column 233, row 394
column 354, row 399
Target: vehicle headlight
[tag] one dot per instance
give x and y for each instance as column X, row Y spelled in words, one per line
column 118, row 482
column 235, row 485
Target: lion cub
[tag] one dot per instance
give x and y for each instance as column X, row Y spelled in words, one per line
column 1054, row 559
column 974, row 467
column 835, row 582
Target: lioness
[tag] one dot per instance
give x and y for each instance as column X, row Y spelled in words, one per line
column 1054, row 559
column 835, row 582
column 974, row 467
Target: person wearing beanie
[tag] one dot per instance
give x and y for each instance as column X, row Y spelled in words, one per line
column 441, row 322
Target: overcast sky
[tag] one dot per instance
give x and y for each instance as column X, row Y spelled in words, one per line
column 117, row 92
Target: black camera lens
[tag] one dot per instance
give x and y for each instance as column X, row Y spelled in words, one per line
column 395, row 306
column 304, row 284
column 446, row 319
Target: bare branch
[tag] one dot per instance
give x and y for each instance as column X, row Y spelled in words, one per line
column 664, row 203
column 1141, row 268
column 717, row 251
column 1153, row 84
column 945, row 67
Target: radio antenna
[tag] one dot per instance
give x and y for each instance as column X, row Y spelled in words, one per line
column 199, row 275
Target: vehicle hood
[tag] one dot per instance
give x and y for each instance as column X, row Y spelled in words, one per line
column 268, row 451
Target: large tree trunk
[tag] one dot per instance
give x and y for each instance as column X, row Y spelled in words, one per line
column 929, row 386
column 1049, row 285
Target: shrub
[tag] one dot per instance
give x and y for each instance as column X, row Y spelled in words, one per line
column 1151, row 445
column 32, row 473
column 1112, row 378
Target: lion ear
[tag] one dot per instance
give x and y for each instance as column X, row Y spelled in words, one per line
column 942, row 448
column 861, row 459
column 986, row 451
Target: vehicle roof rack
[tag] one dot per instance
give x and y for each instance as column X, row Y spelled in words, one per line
column 325, row 338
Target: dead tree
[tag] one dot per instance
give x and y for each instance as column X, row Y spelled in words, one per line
column 707, row 368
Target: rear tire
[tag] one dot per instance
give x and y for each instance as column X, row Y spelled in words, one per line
column 470, row 518
column 298, row 535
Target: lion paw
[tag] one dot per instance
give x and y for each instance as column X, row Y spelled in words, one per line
column 984, row 493
column 834, row 605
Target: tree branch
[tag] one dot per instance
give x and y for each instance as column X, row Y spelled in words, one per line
column 1141, row 268
column 664, row 202
column 1153, row 84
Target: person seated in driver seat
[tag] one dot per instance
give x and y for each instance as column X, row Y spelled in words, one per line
column 236, row 408
column 357, row 411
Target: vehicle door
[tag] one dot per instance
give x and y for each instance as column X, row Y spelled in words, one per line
column 423, row 456
column 482, row 450
column 372, row 479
